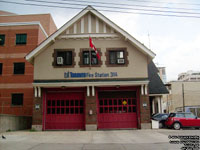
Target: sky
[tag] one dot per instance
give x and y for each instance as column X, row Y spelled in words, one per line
column 174, row 40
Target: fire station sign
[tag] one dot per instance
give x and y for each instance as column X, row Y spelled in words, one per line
column 89, row 75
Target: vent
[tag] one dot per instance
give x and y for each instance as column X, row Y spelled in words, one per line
column 59, row 60
column 120, row 61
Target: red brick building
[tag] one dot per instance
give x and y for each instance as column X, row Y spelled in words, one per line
column 19, row 34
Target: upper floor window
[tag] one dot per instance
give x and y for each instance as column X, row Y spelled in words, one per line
column 1, row 68
column 116, row 57
column 64, row 58
column 19, row 68
column 21, row 39
column 2, row 39
column 90, row 58
column 17, row 99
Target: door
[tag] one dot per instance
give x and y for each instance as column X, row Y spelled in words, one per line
column 64, row 111
column 117, row 109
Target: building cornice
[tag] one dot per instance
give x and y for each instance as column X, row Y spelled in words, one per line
column 24, row 24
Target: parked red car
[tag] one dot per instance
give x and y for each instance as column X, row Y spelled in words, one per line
column 179, row 120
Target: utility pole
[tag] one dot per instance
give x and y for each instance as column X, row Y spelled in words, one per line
column 183, row 97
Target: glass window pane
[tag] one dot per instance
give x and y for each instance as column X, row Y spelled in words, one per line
column 1, row 68
column 134, row 109
column 19, row 68
column 76, row 110
column 76, row 103
column 58, row 102
column 94, row 58
column 72, row 103
column 81, row 102
column 81, row 110
column 21, row 38
column 71, row 110
column 2, row 39
column 105, row 109
column 17, row 99
column 53, row 111
column 62, row 110
column 68, row 58
column 53, row 103
column 49, row 111
column 58, row 110
column 112, row 57
column 101, row 110
column 120, row 54
column 110, row 110
column 62, row 103
column 67, row 102
column 198, row 112
column 67, row 110
column 86, row 60
column 49, row 103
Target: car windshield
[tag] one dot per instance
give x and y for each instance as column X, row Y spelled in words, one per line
column 163, row 116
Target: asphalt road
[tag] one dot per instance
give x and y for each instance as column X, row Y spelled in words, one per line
column 98, row 140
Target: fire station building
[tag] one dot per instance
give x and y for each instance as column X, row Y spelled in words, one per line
column 74, row 90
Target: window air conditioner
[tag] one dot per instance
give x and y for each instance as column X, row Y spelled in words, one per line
column 120, row 61
column 59, row 60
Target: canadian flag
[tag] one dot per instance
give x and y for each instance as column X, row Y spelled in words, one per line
column 94, row 48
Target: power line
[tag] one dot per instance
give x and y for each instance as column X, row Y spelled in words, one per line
column 142, row 1
column 144, row 6
column 112, row 7
column 128, row 12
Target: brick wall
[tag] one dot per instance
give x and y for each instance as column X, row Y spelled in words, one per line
column 37, row 114
column 90, row 104
column 145, row 110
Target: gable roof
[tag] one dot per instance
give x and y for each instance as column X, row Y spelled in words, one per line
column 51, row 39
column 156, row 85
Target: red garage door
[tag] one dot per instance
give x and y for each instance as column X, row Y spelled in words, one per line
column 117, row 110
column 64, row 111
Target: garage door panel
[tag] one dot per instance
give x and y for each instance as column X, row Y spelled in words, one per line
column 64, row 111
column 117, row 110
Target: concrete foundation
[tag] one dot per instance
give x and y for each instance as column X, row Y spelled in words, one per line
column 91, row 127
column 145, row 125
column 37, row 127
column 13, row 123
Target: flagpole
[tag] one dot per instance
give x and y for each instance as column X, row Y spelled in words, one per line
column 90, row 56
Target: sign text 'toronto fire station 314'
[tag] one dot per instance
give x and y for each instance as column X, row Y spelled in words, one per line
column 89, row 75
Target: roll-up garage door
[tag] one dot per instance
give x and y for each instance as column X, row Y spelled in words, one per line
column 64, row 111
column 117, row 109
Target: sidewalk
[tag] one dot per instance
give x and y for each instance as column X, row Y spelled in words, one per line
column 87, row 140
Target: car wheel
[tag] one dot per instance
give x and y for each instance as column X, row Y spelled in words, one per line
column 177, row 126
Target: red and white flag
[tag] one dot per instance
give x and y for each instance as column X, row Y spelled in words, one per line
column 94, row 48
